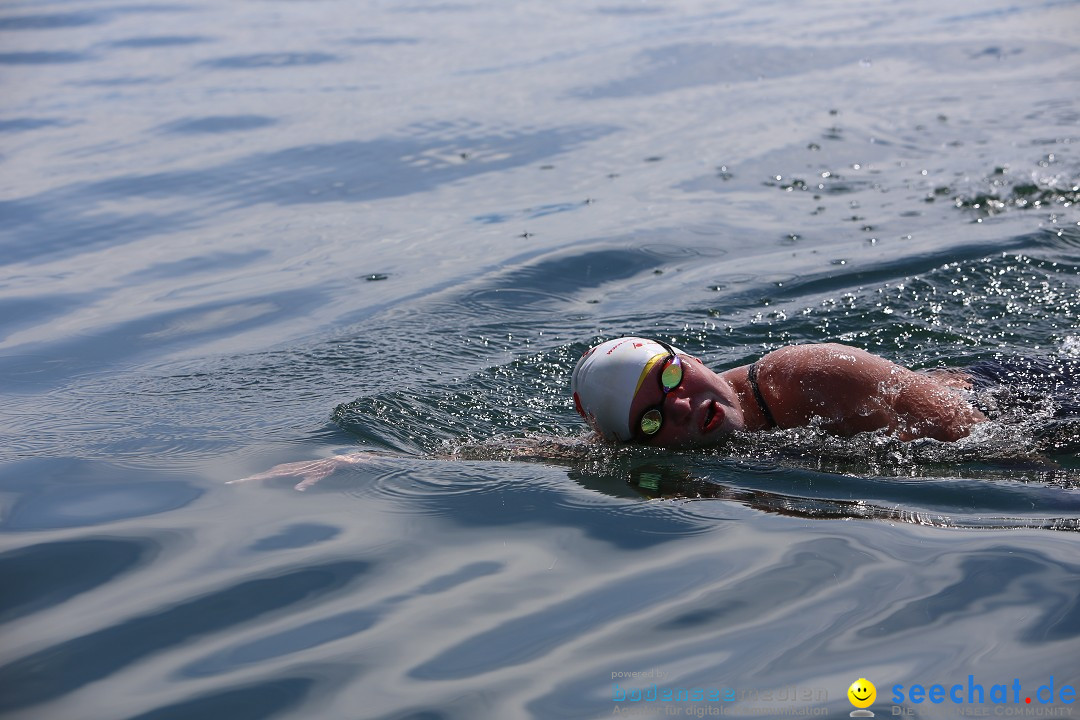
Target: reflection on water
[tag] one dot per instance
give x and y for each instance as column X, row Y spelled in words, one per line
column 195, row 198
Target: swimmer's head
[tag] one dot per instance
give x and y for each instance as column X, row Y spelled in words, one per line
column 606, row 379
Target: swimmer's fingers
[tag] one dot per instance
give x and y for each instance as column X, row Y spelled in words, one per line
column 951, row 377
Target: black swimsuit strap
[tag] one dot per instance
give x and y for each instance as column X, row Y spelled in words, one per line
column 751, row 374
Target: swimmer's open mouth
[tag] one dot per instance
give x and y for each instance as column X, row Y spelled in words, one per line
column 712, row 417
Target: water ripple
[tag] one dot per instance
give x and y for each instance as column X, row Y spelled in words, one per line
column 72, row 664
column 270, row 60
column 48, row 574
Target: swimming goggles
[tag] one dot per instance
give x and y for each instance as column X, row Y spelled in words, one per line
column 671, row 375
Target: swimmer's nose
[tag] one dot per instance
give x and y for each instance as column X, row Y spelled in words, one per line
column 679, row 408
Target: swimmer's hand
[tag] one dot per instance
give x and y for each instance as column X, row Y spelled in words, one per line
column 950, row 377
column 312, row 471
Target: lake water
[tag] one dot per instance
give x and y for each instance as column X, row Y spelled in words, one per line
column 248, row 233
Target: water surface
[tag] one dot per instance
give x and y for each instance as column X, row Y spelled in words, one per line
column 236, row 235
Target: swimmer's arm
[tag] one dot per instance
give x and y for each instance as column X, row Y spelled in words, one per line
column 927, row 408
column 841, row 389
column 849, row 391
column 311, row 471
column 528, row 449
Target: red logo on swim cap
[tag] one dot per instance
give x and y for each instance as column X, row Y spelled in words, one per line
column 577, row 405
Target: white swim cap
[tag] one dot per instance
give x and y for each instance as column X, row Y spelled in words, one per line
column 606, row 379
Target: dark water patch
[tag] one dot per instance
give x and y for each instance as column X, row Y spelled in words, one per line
column 218, row 124
column 35, row 230
column 30, row 123
column 158, row 41
column 42, row 576
column 19, row 313
column 630, row 10
column 42, row 57
column 1005, row 11
column 155, row 332
column 512, row 301
column 269, row 60
column 296, row 536
column 446, row 7
column 550, row 283
column 1064, row 240
column 1060, row 620
column 122, row 81
column 419, row 714
column 250, row 702
column 530, row 213
column 81, row 506
column 162, row 8
column 361, row 41
column 452, row 580
column 994, row 52
column 329, row 629
column 197, row 264
column 571, row 272
column 997, row 578
column 50, row 21
column 279, row 644
column 422, row 714
column 72, row 664
column 797, row 575
column 483, row 311
column 536, row 634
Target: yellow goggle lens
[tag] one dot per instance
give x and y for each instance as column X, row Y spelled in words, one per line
column 651, row 421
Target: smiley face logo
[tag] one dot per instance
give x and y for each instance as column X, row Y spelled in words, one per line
column 862, row 693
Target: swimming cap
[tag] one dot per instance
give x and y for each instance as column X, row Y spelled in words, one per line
column 606, row 379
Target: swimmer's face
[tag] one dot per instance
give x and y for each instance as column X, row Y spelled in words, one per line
column 699, row 411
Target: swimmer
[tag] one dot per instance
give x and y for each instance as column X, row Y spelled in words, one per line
column 644, row 391
column 636, row 390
